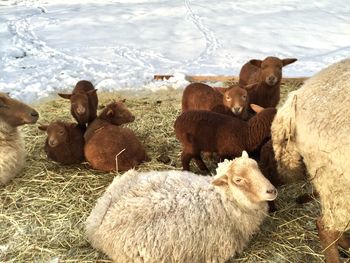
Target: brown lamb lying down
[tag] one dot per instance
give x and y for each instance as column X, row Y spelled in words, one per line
column 65, row 142
column 206, row 131
column 84, row 102
column 110, row 147
column 262, row 80
column 233, row 101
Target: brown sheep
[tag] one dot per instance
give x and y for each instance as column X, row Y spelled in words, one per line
column 65, row 142
column 110, row 147
column 84, row 102
column 262, row 80
column 206, row 131
column 268, row 167
column 233, row 101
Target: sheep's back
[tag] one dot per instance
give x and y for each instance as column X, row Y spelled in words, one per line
column 210, row 131
column 110, row 142
column 249, row 74
column 199, row 96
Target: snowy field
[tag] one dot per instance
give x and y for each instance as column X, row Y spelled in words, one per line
column 47, row 46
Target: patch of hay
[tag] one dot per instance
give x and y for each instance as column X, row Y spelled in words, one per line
column 42, row 212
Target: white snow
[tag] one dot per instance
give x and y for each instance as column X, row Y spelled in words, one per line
column 47, row 46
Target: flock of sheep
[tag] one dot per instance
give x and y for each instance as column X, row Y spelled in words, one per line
column 179, row 216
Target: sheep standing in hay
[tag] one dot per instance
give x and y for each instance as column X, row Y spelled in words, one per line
column 84, row 102
column 178, row 216
column 313, row 128
column 13, row 113
column 262, row 80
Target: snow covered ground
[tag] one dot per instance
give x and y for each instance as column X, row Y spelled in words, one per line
column 47, row 46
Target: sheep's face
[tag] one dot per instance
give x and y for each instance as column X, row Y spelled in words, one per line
column 117, row 113
column 244, row 181
column 16, row 113
column 56, row 134
column 235, row 98
column 271, row 69
column 80, row 104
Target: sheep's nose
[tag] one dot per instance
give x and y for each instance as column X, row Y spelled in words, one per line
column 272, row 191
column 81, row 110
column 52, row 142
column 132, row 118
column 237, row 109
column 34, row 114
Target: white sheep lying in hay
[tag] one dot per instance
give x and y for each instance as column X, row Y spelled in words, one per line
column 178, row 216
column 13, row 113
column 313, row 128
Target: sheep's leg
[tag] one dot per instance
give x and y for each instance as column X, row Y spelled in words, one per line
column 201, row 164
column 185, row 160
column 329, row 243
column 344, row 241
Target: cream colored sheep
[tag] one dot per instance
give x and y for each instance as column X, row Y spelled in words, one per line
column 313, row 128
column 178, row 216
column 13, row 113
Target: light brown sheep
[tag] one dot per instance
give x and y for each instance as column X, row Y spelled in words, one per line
column 13, row 113
column 109, row 147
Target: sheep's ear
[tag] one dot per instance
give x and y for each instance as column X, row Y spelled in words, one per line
column 249, row 86
column 288, row 61
column 256, row 62
column 43, row 127
column 221, row 181
column 65, row 96
column 92, row 92
column 110, row 113
column 256, row 108
column 245, row 154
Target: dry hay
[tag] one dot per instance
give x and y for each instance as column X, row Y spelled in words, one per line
column 42, row 212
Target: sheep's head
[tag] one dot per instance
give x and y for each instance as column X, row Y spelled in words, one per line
column 56, row 133
column 235, row 98
column 16, row 113
column 271, row 68
column 242, row 180
column 80, row 104
column 117, row 113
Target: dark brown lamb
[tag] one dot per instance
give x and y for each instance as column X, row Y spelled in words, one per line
column 110, row 147
column 262, row 80
column 233, row 101
column 65, row 142
column 268, row 167
column 84, row 102
column 206, row 131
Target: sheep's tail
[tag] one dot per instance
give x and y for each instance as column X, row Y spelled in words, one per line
column 283, row 131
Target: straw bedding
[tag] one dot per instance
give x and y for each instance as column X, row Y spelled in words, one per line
column 42, row 212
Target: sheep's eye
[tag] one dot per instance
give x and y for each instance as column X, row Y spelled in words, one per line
column 244, row 97
column 238, row 180
column 61, row 132
column 228, row 98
